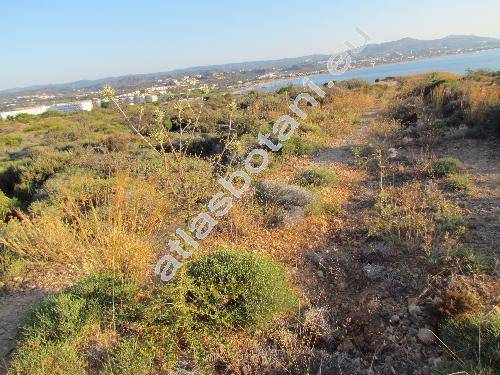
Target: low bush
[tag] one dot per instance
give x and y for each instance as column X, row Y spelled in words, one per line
column 130, row 357
column 446, row 166
column 6, row 205
column 406, row 110
column 279, row 194
column 12, row 269
column 47, row 358
column 311, row 128
column 414, row 215
column 458, row 182
column 152, row 325
column 234, row 289
column 298, row 146
column 474, row 340
column 35, row 170
column 321, row 207
column 315, row 176
column 467, row 261
column 364, row 156
column 56, row 328
column 10, row 140
column 459, row 303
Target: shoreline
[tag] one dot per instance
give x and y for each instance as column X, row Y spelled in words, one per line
column 256, row 84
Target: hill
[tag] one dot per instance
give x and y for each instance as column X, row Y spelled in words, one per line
column 410, row 46
column 380, row 53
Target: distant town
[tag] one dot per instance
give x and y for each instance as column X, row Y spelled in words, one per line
column 151, row 88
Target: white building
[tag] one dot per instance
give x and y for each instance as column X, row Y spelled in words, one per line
column 151, row 98
column 72, row 107
column 29, row 111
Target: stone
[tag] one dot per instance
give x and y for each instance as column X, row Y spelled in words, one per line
column 425, row 335
column 346, row 346
column 414, row 309
column 374, row 271
column 283, row 195
column 435, row 361
column 394, row 319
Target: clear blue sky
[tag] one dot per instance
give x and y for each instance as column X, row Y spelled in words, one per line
column 56, row 41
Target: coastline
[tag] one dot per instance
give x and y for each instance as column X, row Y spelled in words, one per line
column 259, row 83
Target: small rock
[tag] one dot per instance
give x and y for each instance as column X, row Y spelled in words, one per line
column 425, row 335
column 374, row 271
column 342, row 285
column 346, row 346
column 412, row 331
column 435, row 361
column 394, row 319
column 414, row 309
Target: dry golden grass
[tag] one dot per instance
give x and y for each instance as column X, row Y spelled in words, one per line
column 121, row 233
column 246, row 227
column 416, row 215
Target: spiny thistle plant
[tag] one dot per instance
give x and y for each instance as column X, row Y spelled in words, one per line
column 171, row 146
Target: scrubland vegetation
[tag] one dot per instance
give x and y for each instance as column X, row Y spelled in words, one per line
column 351, row 247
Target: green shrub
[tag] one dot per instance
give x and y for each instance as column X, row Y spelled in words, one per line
column 407, row 110
column 58, row 326
column 6, row 205
column 65, row 315
column 9, row 175
column 230, row 288
column 458, row 182
column 446, row 166
column 82, row 185
column 29, row 175
column 320, row 207
column 312, row 128
column 48, row 358
column 12, row 269
column 466, row 261
column 298, row 146
column 23, row 117
column 10, row 140
column 58, row 318
column 315, row 176
column 130, row 357
column 364, row 156
column 106, row 292
column 474, row 339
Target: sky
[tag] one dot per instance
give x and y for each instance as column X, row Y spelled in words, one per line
column 55, row 41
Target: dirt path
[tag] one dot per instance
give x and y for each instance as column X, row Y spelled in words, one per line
column 374, row 292
column 13, row 309
column 379, row 295
column 341, row 153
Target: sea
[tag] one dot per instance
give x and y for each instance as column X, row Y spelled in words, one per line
column 488, row 60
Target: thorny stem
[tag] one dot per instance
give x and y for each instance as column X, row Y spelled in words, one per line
column 129, row 123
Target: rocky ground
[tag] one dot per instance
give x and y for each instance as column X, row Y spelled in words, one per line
column 378, row 302
column 13, row 309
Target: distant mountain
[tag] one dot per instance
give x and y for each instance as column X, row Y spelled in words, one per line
column 404, row 47
column 137, row 79
column 410, row 46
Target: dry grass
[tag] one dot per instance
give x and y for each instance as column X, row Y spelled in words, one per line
column 119, row 231
column 415, row 214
